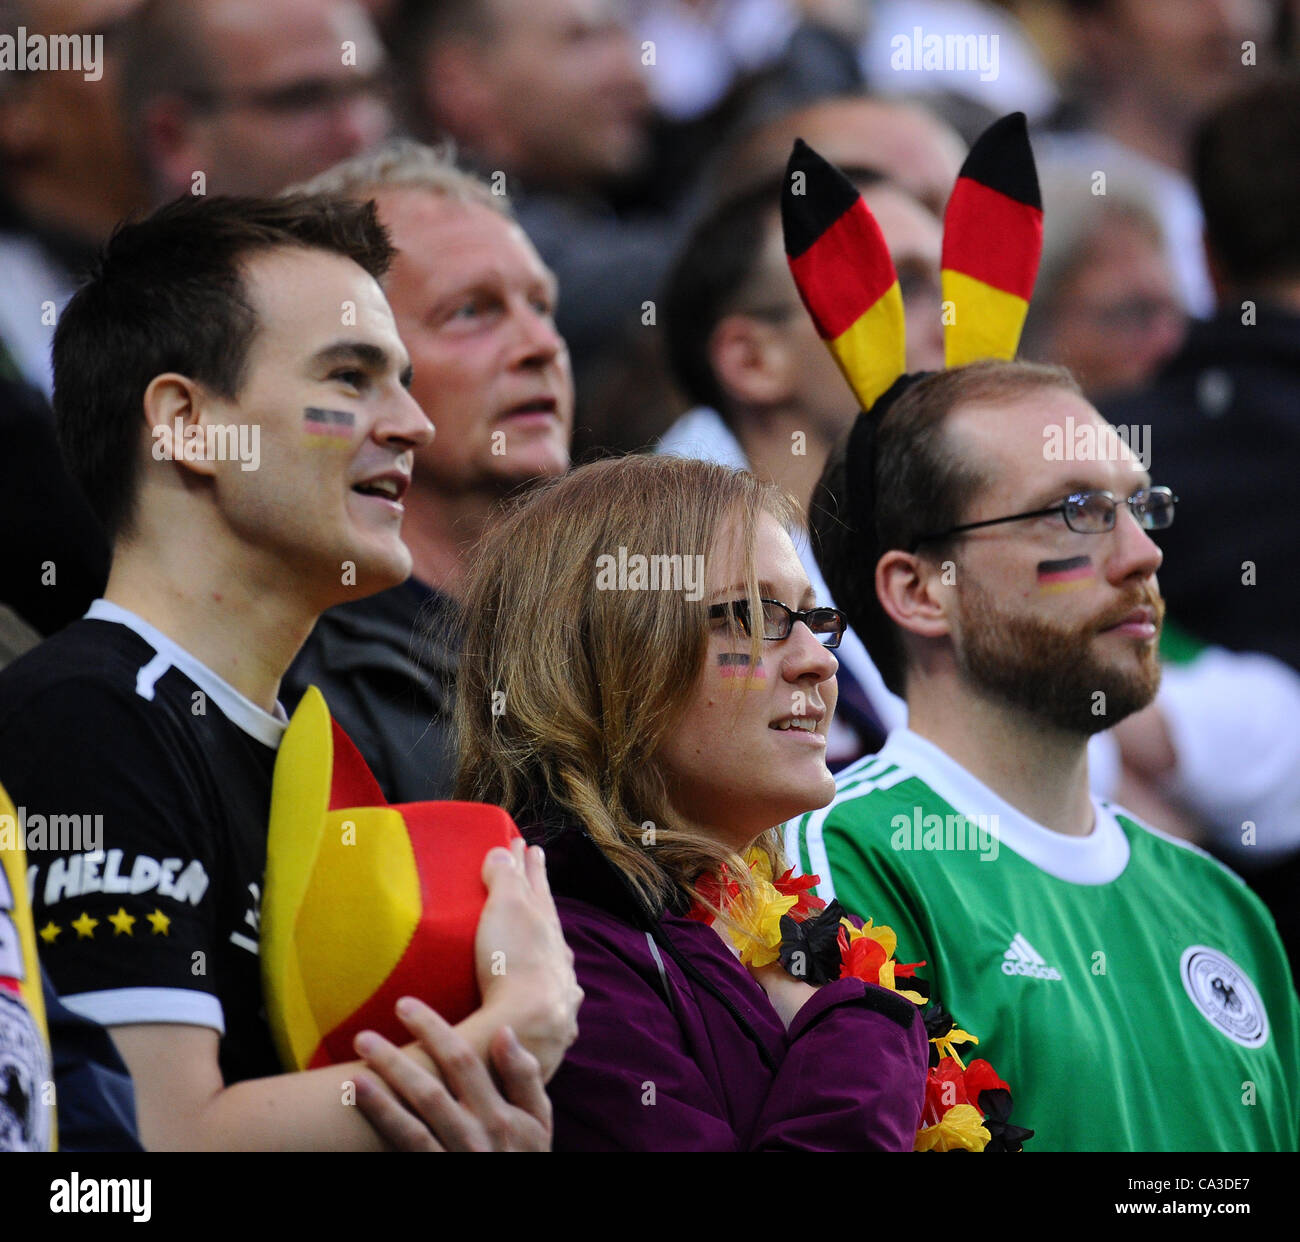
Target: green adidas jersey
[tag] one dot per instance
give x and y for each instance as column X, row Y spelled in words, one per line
column 1130, row 989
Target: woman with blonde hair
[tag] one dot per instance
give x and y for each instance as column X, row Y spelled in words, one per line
column 615, row 698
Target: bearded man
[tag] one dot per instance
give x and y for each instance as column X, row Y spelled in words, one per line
column 1132, row 990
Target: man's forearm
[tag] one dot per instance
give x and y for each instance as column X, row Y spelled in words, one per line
column 183, row 1106
column 314, row 1110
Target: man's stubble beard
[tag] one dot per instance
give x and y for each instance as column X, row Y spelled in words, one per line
column 1052, row 672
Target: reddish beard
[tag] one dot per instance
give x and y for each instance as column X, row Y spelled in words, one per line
column 1052, row 671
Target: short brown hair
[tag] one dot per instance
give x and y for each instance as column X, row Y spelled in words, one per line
column 916, row 484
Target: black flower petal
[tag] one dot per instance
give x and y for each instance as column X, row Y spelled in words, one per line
column 810, row 950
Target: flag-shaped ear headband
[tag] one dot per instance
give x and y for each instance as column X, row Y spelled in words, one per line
column 992, row 240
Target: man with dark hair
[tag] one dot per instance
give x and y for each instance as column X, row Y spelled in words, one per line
column 232, row 396
column 1125, row 984
column 186, row 267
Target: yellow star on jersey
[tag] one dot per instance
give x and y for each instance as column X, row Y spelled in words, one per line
column 85, row 926
column 159, row 921
column 50, row 932
column 122, row 922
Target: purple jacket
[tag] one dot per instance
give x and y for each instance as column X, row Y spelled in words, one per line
column 679, row 1048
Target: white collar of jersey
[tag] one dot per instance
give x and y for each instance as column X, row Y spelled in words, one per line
column 241, row 712
column 1098, row 858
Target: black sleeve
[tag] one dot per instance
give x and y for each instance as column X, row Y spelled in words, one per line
column 121, row 879
column 46, row 519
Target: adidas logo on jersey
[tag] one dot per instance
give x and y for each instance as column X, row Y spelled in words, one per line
column 1023, row 959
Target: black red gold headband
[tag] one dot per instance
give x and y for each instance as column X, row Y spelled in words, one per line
column 992, row 241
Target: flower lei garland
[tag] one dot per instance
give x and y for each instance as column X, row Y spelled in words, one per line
column 967, row 1107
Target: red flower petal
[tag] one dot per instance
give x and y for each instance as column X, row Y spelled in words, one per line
column 790, row 885
column 863, row 960
column 716, row 894
column 981, row 1076
column 945, row 1087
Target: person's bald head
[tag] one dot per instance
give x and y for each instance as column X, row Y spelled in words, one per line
column 254, row 94
column 550, row 90
column 1190, row 51
column 907, row 144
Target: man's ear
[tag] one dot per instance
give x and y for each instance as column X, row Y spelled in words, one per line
column 167, row 129
column 176, row 411
column 916, row 593
column 749, row 361
column 455, row 89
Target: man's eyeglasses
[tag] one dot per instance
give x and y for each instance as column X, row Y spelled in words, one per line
column 1089, row 513
column 308, row 97
column 828, row 624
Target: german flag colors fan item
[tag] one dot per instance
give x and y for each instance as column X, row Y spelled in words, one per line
column 844, row 274
column 992, row 242
column 364, row 902
column 27, row 1121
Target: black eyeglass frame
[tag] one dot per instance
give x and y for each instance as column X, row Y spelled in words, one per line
column 1076, row 499
column 739, row 608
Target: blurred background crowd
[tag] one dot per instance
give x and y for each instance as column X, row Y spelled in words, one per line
column 641, row 144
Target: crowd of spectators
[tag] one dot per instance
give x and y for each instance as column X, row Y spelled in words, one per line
column 583, row 197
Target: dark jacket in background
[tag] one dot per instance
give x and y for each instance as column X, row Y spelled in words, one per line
column 93, row 1092
column 1225, row 435
column 387, row 668
column 679, row 1048
column 49, row 530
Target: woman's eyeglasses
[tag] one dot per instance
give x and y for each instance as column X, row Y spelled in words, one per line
column 828, row 624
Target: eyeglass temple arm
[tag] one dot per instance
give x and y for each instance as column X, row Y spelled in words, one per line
column 1014, row 517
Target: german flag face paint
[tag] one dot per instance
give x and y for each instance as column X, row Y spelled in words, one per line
column 844, row 274
column 734, row 667
column 1055, row 577
column 992, row 241
column 326, row 425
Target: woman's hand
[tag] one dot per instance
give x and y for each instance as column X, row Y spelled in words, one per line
column 787, row 995
column 524, row 967
column 463, row 1110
